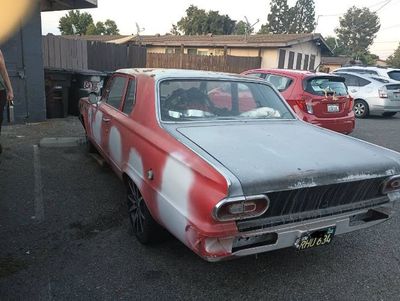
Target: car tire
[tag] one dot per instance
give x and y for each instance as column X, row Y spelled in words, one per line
column 361, row 109
column 145, row 228
column 389, row 114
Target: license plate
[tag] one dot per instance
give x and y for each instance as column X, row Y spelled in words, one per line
column 333, row 108
column 316, row 238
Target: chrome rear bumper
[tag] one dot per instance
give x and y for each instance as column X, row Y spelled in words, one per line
column 284, row 236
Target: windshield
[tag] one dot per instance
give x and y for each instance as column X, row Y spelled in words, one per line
column 185, row 100
column 394, row 75
column 326, row 86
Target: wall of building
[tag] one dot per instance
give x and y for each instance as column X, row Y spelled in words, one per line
column 252, row 52
column 269, row 58
column 307, row 48
column 23, row 55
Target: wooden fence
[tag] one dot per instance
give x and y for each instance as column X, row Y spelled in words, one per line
column 63, row 53
column 227, row 63
column 59, row 52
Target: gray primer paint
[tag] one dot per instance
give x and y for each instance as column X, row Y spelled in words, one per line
column 284, row 155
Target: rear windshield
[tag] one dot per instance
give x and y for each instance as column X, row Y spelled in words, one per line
column 326, row 86
column 394, row 75
column 200, row 100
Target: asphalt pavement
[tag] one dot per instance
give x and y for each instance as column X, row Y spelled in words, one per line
column 64, row 235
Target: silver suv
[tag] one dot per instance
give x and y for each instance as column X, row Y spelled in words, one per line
column 389, row 73
column 372, row 94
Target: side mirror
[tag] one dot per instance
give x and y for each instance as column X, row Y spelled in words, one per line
column 93, row 98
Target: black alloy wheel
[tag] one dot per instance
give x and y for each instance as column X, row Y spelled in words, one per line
column 143, row 225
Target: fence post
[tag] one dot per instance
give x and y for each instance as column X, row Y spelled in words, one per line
column 181, row 57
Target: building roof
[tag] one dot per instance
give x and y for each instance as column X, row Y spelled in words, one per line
column 239, row 41
column 53, row 5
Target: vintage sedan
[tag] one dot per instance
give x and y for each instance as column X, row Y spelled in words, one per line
column 223, row 163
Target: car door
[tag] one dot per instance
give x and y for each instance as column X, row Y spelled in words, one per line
column 110, row 107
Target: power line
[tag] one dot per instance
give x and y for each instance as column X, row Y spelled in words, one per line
column 383, row 5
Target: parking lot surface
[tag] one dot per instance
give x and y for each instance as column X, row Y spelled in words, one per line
column 64, row 235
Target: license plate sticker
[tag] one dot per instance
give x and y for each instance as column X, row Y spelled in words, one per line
column 332, row 108
column 316, row 238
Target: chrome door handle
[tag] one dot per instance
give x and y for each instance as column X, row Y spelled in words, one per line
column 106, row 119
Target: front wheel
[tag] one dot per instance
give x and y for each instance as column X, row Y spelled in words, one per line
column 389, row 114
column 143, row 225
column 361, row 109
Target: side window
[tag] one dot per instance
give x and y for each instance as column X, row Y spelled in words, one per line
column 350, row 80
column 130, row 98
column 117, row 89
column 363, row 82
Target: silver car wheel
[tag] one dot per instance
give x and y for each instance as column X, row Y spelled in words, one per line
column 360, row 108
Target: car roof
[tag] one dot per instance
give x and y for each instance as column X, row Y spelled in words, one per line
column 372, row 68
column 293, row 72
column 367, row 76
column 159, row 73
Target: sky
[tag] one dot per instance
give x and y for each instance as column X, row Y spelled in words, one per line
column 157, row 16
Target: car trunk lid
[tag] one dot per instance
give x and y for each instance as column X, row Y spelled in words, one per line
column 270, row 156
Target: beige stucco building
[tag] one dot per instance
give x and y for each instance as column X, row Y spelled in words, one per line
column 289, row 51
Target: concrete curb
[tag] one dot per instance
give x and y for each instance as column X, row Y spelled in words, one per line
column 61, row 142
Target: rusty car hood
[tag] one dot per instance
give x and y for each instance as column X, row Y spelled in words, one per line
column 283, row 155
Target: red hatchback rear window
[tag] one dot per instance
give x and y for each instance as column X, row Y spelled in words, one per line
column 325, row 86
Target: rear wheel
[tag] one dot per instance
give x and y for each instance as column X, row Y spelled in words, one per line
column 143, row 225
column 389, row 114
column 361, row 109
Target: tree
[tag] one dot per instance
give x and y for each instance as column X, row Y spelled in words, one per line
column 111, row 27
column 394, row 59
column 278, row 18
column 242, row 28
column 357, row 31
column 174, row 30
column 335, row 45
column 264, row 29
column 75, row 23
column 284, row 19
column 199, row 22
column 302, row 17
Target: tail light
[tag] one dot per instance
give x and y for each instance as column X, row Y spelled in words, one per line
column 240, row 208
column 350, row 103
column 383, row 92
column 391, row 184
column 305, row 105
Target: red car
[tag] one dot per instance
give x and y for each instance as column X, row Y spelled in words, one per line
column 317, row 98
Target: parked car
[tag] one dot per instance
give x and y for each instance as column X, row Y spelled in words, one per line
column 372, row 94
column 389, row 73
column 230, row 179
column 317, row 98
